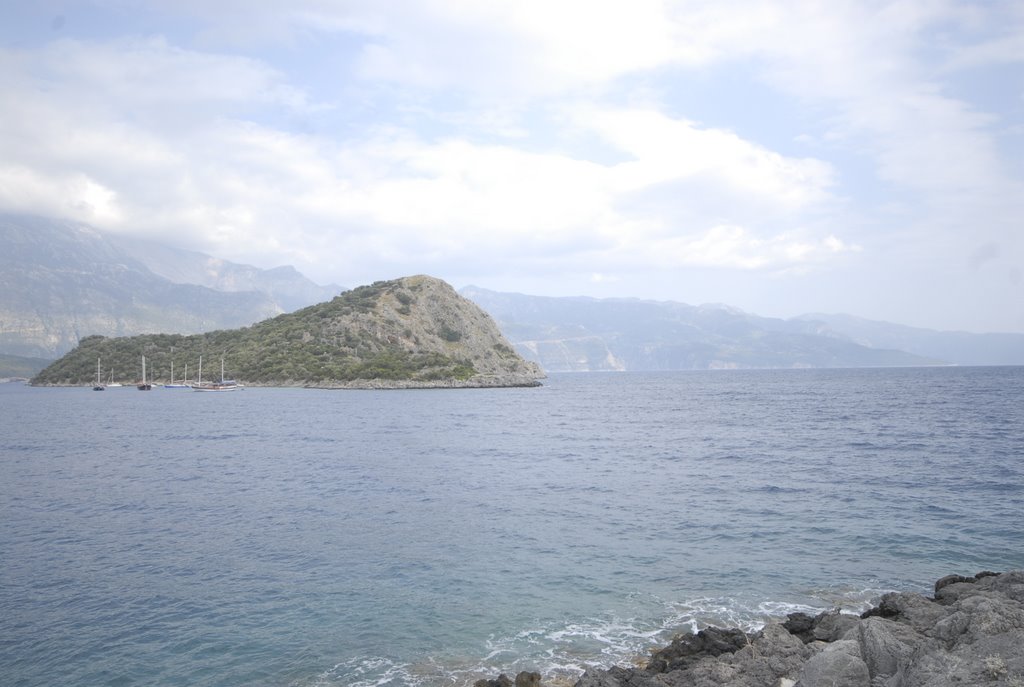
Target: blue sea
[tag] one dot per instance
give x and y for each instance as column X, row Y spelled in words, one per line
column 301, row 538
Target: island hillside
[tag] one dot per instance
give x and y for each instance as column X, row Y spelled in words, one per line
column 410, row 332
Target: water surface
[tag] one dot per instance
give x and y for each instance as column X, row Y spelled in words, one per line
column 304, row 537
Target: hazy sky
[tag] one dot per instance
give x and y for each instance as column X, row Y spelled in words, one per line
column 781, row 157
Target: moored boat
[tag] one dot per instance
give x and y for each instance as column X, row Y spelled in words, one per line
column 222, row 385
column 99, row 384
column 181, row 385
column 144, row 386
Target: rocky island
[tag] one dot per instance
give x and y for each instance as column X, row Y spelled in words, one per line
column 969, row 634
column 413, row 332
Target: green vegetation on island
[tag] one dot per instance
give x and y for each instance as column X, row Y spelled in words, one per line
column 414, row 331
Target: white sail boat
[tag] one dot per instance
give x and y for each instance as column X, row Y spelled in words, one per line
column 112, row 383
column 183, row 384
column 99, row 384
column 222, row 385
column 144, row 386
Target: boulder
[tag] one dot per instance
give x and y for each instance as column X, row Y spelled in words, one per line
column 500, row 681
column 839, row 665
column 523, row 679
column 886, row 645
column 824, row 627
column 686, row 650
column 528, row 679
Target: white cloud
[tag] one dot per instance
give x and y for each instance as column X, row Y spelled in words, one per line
column 150, row 77
column 249, row 191
column 572, row 147
column 665, row 149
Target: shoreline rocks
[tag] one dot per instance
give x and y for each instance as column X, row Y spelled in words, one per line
column 970, row 633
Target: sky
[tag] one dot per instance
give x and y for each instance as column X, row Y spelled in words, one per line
column 781, row 157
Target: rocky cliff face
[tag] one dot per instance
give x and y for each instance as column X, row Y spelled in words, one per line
column 424, row 315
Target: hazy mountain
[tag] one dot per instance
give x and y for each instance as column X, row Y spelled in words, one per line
column 19, row 367
column 588, row 334
column 62, row 281
column 286, row 286
column 961, row 348
column 410, row 332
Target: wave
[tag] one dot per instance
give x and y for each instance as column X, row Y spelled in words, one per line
column 562, row 651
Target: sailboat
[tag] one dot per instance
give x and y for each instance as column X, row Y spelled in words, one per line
column 112, row 383
column 99, row 385
column 144, row 386
column 222, row 385
column 184, row 383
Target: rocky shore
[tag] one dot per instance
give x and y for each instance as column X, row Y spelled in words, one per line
column 970, row 633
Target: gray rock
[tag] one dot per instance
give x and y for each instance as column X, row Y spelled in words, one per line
column 971, row 634
column 528, row 679
column 824, row 627
column 990, row 661
column 686, row 650
column 839, row 665
column 618, row 677
column 885, row 645
column 951, row 579
column 833, row 625
column 912, row 609
column 801, row 625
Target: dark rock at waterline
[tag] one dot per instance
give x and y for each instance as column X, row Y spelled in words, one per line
column 824, row 627
column 971, row 633
column 523, row 679
column 526, row 679
column 960, row 579
column 688, row 649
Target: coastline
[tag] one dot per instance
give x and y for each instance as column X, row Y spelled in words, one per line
column 969, row 632
column 476, row 382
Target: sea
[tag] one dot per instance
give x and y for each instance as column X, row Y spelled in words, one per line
column 313, row 538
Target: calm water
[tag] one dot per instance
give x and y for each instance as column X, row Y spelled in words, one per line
column 287, row 537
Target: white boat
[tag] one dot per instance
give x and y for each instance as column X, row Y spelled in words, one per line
column 184, row 383
column 112, row 383
column 99, row 384
column 144, row 386
column 222, row 385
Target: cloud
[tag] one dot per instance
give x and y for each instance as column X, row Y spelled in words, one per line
column 237, row 187
column 664, row 149
column 531, row 138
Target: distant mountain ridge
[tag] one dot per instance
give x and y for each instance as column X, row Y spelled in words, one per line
column 960, row 348
column 61, row 281
column 589, row 334
column 285, row 285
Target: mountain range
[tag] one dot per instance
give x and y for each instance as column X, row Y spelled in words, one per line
column 589, row 334
column 62, row 281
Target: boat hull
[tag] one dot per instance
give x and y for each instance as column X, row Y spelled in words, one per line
column 217, row 387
